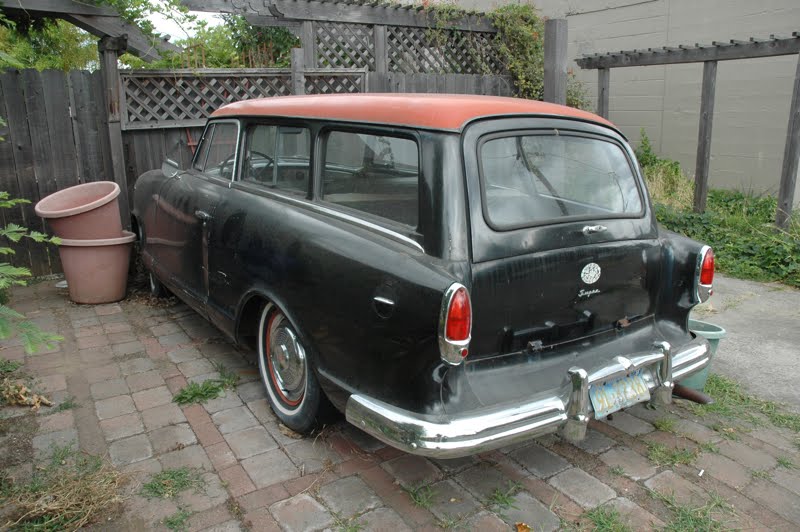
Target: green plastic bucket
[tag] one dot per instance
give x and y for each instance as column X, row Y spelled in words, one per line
column 712, row 333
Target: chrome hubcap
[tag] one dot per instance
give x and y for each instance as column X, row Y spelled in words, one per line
column 288, row 359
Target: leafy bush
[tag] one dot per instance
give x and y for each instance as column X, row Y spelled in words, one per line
column 740, row 227
column 520, row 44
column 12, row 323
column 666, row 182
column 741, row 230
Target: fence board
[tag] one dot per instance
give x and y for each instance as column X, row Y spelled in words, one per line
column 9, row 183
column 20, row 137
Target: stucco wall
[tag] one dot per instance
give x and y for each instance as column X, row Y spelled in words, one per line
column 752, row 97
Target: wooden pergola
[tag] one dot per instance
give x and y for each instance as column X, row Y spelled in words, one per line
column 116, row 36
column 709, row 55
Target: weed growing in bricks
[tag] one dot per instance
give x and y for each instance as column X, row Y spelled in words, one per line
column 665, row 424
column 208, row 389
column 732, row 402
column 448, row 522
column 660, row 455
column 503, row 499
column 786, row 462
column 421, row 496
column 709, row 447
column 178, row 521
column 605, row 519
column 69, row 491
column 346, row 525
column 67, row 404
column 168, row 483
column 618, row 471
column 688, row 517
column 766, row 475
column 8, row 366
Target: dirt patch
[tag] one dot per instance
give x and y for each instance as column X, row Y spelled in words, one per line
column 17, row 433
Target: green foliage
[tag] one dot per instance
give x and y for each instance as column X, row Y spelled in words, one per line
column 605, row 519
column 666, row 182
column 739, row 227
column 421, row 496
column 8, row 366
column 178, row 521
column 52, row 44
column 687, row 517
column 12, row 323
column 208, row 389
column 260, row 46
column 665, row 424
column 168, row 483
column 733, row 403
column 660, row 454
column 503, row 499
column 520, row 44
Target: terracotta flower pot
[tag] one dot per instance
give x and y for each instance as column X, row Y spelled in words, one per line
column 83, row 211
column 96, row 270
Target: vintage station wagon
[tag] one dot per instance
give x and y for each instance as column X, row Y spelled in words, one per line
column 454, row 273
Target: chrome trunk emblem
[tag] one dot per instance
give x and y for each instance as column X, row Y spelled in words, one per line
column 590, row 273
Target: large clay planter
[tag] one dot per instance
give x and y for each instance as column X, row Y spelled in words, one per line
column 96, row 270
column 84, row 211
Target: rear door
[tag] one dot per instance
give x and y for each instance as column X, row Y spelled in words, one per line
column 563, row 242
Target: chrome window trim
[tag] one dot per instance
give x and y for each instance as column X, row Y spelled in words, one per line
column 281, row 195
column 237, row 147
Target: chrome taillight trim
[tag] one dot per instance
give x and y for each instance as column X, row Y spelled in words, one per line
column 701, row 291
column 450, row 350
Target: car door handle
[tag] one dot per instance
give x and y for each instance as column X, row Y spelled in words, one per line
column 591, row 229
column 202, row 215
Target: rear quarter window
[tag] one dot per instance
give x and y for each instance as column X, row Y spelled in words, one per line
column 533, row 179
column 372, row 173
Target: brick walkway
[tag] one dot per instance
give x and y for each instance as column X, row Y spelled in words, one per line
column 122, row 363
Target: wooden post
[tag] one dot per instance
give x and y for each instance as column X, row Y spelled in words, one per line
column 603, row 83
column 555, row 60
column 298, row 72
column 704, row 135
column 380, row 49
column 791, row 155
column 309, row 43
column 110, row 49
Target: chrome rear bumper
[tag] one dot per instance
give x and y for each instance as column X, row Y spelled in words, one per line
column 568, row 409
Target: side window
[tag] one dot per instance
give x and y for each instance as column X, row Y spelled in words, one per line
column 278, row 157
column 376, row 174
column 217, row 155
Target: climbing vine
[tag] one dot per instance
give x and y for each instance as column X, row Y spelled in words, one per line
column 519, row 44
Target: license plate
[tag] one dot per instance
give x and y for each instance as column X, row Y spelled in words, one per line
column 618, row 394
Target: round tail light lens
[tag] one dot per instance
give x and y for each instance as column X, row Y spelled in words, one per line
column 707, row 268
column 459, row 317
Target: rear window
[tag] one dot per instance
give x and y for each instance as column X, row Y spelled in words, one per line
column 539, row 178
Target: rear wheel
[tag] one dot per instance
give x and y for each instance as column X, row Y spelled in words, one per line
column 286, row 371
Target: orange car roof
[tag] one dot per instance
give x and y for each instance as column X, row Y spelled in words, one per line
column 430, row 111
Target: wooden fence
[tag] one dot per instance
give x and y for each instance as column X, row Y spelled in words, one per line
column 57, row 136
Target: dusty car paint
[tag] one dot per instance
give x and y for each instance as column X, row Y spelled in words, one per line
column 365, row 294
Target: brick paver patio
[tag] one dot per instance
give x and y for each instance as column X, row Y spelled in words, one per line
column 122, row 364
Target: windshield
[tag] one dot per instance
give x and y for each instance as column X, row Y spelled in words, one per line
column 532, row 179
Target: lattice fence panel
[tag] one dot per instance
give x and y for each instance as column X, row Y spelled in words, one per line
column 344, row 45
column 167, row 99
column 320, row 82
column 420, row 50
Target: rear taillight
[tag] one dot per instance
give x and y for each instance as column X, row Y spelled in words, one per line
column 704, row 274
column 455, row 324
column 707, row 268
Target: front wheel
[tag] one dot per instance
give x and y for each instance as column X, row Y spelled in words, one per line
column 292, row 388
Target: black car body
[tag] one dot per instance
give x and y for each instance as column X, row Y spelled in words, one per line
column 455, row 273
